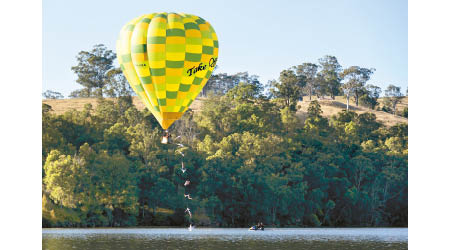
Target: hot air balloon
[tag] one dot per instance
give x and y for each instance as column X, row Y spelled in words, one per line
column 167, row 59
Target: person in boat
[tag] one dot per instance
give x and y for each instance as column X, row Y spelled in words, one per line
column 259, row 226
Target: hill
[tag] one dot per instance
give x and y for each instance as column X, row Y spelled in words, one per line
column 332, row 107
column 329, row 107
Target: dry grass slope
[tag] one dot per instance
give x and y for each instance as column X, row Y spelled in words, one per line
column 332, row 107
column 62, row 105
column 329, row 107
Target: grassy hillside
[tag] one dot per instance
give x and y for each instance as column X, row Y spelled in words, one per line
column 329, row 107
column 62, row 105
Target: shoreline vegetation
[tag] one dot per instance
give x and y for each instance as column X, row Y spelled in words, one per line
column 251, row 160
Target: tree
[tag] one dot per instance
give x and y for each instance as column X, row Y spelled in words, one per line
column 80, row 93
column 314, row 109
column 93, row 67
column 315, row 124
column 370, row 95
column 356, row 79
column 329, row 75
column 405, row 112
column 309, row 72
column 100, row 185
column 393, row 97
column 117, row 85
column 49, row 94
column 289, row 120
column 245, row 91
column 52, row 135
column 220, row 84
column 289, row 88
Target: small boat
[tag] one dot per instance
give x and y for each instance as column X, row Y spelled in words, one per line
column 255, row 228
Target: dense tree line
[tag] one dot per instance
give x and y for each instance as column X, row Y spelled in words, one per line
column 250, row 157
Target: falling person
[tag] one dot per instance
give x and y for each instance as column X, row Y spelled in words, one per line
column 189, row 212
column 182, row 167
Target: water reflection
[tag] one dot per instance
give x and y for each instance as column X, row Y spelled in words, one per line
column 217, row 239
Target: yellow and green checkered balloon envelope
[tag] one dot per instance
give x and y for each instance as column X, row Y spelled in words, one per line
column 167, row 58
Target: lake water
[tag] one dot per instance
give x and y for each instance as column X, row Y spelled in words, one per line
column 219, row 238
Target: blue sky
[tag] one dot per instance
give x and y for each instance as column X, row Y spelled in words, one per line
column 261, row 37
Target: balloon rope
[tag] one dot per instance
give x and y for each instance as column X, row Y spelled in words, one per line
column 186, row 183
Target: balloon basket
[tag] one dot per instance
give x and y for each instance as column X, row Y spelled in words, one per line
column 166, row 137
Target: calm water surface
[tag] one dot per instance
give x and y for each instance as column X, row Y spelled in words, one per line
column 218, row 238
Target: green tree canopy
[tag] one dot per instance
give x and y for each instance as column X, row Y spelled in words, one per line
column 309, row 72
column 289, row 88
column 393, row 97
column 92, row 70
column 356, row 77
column 329, row 78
